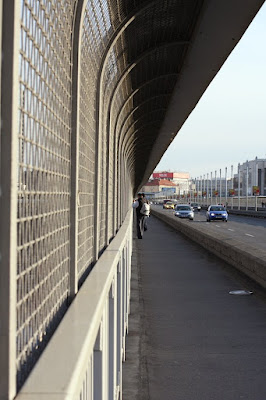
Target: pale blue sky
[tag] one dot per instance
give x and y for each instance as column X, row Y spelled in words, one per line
column 233, row 108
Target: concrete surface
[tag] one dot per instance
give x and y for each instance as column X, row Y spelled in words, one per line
column 189, row 339
column 247, row 258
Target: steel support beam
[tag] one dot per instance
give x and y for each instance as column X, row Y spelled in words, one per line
column 74, row 201
column 10, row 12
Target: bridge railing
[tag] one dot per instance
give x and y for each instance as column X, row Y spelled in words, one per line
column 65, row 185
column 83, row 360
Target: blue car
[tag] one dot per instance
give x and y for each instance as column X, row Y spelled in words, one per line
column 215, row 213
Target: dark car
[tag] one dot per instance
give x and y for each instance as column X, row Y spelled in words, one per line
column 195, row 206
column 216, row 212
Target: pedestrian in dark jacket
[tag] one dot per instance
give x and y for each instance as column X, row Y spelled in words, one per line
column 137, row 204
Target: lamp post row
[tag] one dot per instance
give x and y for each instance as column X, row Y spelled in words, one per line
column 203, row 187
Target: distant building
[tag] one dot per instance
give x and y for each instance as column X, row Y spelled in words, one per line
column 159, row 185
column 180, row 179
column 256, row 170
column 251, row 178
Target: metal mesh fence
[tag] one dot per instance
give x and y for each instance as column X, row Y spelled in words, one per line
column 124, row 79
column 90, row 57
column 43, row 175
column 44, row 159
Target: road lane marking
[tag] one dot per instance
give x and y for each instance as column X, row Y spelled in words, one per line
column 247, row 234
column 217, row 226
column 232, row 230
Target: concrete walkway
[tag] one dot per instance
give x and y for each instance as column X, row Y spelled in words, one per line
column 189, row 339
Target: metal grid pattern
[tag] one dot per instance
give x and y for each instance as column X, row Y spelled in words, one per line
column 43, row 175
column 103, row 193
column 115, row 66
column 90, row 57
column 121, row 118
column 98, row 28
column 145, row 55
column 132, row 52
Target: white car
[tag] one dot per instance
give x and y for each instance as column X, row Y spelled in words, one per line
column 184, row 211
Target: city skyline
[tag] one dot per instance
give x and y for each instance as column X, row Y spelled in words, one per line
column 217, row 170
column 228, row 125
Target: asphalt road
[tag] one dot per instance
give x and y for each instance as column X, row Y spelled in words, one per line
column 248, row 230
column 193, row 340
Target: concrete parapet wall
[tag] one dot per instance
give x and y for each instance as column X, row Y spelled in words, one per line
column 248, row 213
column 247, row 259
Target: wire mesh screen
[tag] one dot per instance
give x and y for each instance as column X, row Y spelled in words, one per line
column 96, row 32
column 91, row 52
column 43, row 175
column 126, row 73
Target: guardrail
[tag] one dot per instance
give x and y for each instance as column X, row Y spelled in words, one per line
column 83, row 360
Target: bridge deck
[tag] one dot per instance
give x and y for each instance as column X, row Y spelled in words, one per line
column 189, row 339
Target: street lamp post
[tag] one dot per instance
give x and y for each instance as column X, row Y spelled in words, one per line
column 215, row 186
column 211, row 187
column 207, row 189
column 256, row 183
column 232, row 185
column 204, row 183
column 239, row 186
column 247, row 187
column 220, row 185
column 225, row 186
column 201, row 187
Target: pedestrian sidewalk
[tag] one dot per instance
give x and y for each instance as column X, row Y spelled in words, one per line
column 189, row 339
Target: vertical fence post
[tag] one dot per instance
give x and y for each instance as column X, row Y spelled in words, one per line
column 119, row 326
column 112, row 340
column 98, row 366
column 10, row 12
column 120, row 194
column 74, row 198
column 115, row 185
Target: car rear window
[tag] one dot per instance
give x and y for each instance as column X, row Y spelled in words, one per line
column 217, row 208
column 183, row 208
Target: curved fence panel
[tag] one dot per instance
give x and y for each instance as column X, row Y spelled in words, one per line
column 43, row 175
column 67, row 180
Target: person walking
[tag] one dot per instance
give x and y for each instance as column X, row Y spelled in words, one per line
column 147, row 212
column 137, row 204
